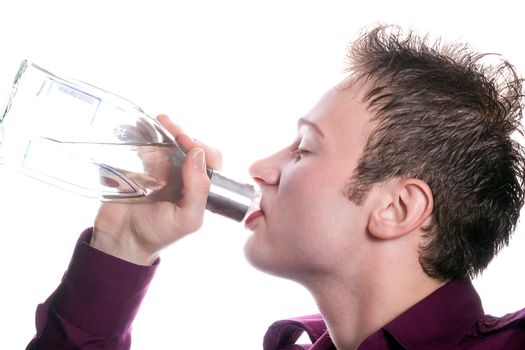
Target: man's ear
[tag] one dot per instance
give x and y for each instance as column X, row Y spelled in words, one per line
column 400, row 206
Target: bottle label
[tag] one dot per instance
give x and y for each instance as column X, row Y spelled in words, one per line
column 66, row 105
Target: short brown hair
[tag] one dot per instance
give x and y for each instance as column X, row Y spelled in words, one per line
column 446, row 118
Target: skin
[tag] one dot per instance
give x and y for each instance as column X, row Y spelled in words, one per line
column 360, row 262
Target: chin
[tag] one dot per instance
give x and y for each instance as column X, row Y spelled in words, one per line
column 264, row 259
column 252, row 253
column 258, row 256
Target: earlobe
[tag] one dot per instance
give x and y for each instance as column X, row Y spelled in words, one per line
column 401, row 206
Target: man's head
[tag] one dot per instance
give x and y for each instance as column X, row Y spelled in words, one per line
column 443, row 117
column 419, row 139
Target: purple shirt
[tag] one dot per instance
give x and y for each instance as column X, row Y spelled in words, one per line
column 94, row 307
column 450, row 318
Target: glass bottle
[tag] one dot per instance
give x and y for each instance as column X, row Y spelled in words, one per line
column 92, row 142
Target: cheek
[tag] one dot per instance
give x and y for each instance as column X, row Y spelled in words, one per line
column 316, row 209
column 307, row 206
column 307, row 189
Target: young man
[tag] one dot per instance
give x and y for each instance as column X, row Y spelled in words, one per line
column 403, row 182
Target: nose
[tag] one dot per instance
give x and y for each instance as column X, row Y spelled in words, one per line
column 267, row 171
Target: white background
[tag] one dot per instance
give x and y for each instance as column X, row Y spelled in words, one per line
column 236, row 74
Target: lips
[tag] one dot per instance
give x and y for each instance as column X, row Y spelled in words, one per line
column 250, row 220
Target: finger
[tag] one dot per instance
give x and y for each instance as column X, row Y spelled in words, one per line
column 173, row 128
column 213, row 155
column 196, row 186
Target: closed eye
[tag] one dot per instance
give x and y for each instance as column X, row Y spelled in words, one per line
column 298, row 153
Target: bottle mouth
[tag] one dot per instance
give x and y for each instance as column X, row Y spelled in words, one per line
column 255, row 204
column 14, row 89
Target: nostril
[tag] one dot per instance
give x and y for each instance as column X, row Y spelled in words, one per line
column 258, row 180
column 266, row 171
column 267, row 177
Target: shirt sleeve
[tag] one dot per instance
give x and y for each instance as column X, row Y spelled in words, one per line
column 95, row 304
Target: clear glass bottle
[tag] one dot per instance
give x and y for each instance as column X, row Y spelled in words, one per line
column 92, row 142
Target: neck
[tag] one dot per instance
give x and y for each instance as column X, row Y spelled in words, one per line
column 355, row 307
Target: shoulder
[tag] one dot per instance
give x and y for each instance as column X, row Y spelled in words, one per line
column 506, row 332
column 491, row 324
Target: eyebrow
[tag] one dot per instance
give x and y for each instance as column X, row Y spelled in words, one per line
column 302, row 121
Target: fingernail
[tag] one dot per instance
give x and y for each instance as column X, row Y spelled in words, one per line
column 198, row 161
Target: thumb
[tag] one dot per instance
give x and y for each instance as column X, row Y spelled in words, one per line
column 196, row 186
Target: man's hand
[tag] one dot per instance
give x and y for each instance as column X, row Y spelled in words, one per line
column 138, row 232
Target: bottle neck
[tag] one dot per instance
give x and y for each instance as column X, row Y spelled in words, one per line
column 230, row 198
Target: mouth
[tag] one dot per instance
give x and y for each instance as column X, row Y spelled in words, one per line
column 250, row 221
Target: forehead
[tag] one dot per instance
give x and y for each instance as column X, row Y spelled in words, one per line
column 342, row 113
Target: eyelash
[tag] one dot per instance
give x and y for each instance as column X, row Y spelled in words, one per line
column 298, row 153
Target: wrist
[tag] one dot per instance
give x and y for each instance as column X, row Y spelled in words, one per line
column 123, row 247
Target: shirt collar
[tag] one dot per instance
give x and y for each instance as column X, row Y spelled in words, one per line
column 439, row 321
